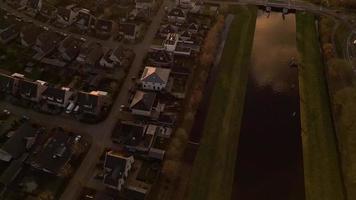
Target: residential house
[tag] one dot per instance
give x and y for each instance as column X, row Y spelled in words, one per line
column 85, row 19
column 55, row 156
column 92, row 102
column 171, row 42
column 7, row 84
column 57, row 96
column 184, row 3
column 184, row 49
column 185, row 35
column 167, row 29
column 177, row 15
column 6, row 22
column 125, row 131
column 193, row 28
column 154, row 78
column 105, row 61
column 130, row 31
column 67, row 16
column 29, row 34
column 48, row 11
column 158, row 134
column 90, row 54
column 9, row 175
column 46, row 42
column 105, row 27
column 20, row 142
column 31, row 90
column 34, row 6
column 145, row 6
column 70, row 48
column 206, row 10
column 9, row 35
column 116, row 167
column 144, row 103
column 160, row 58
column 140, row 138
column 17, row 4
column 120, row 56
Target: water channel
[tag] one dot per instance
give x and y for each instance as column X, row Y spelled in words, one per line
column 269, row 162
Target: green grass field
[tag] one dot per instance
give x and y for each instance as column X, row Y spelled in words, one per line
column 213, row 171
column 322, row 172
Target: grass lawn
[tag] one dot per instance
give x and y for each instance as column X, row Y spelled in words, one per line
column 213, row 172
column 322, row 172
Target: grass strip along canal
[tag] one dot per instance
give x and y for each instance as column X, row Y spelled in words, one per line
column 322, row 171
column 215, row 162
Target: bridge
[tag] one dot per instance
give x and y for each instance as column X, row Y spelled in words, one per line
column 290, row 4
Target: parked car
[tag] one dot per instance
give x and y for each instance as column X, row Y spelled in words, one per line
column 70, row 107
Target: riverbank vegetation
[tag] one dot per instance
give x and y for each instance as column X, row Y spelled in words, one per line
column 322, row 171
column 342, row 89
column 335, row 3
column 213, row 171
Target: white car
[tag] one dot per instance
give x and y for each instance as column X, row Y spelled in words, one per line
column 70, row 107
column 77, row 138
column 76, row 109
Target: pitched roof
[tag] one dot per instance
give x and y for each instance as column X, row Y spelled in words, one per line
column 161, row 56
column 64, row 13
column 115, row 165
column 28, row 88
column 121, row 52
column 143, row 100
column 55, row 154
column 129, row 133
column 193, row 26
column 70, row 46
column 33, row 4
column 155, row 75
column 12, row 31
column 55, row 94
column 17, row 144
column 128, row 28
column 169, row 28
column 6, row 83
column 87, row 101
column 11, row 172
column 83, row 18
column 92, row 52
column 48, row 40
column 177, row 12
column 30, row 32
column 104, row 25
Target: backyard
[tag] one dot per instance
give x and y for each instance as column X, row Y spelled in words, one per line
column 217, row 150
column 322, row 172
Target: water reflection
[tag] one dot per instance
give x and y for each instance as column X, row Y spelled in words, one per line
column 269, row 161
column 274, row 46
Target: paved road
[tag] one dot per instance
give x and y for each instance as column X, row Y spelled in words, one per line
column 100, row 132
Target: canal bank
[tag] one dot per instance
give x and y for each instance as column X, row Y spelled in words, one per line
column 322, row 172
column 269, row 162
column 213, row 170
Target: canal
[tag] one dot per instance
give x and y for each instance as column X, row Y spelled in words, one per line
column 269, row 163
